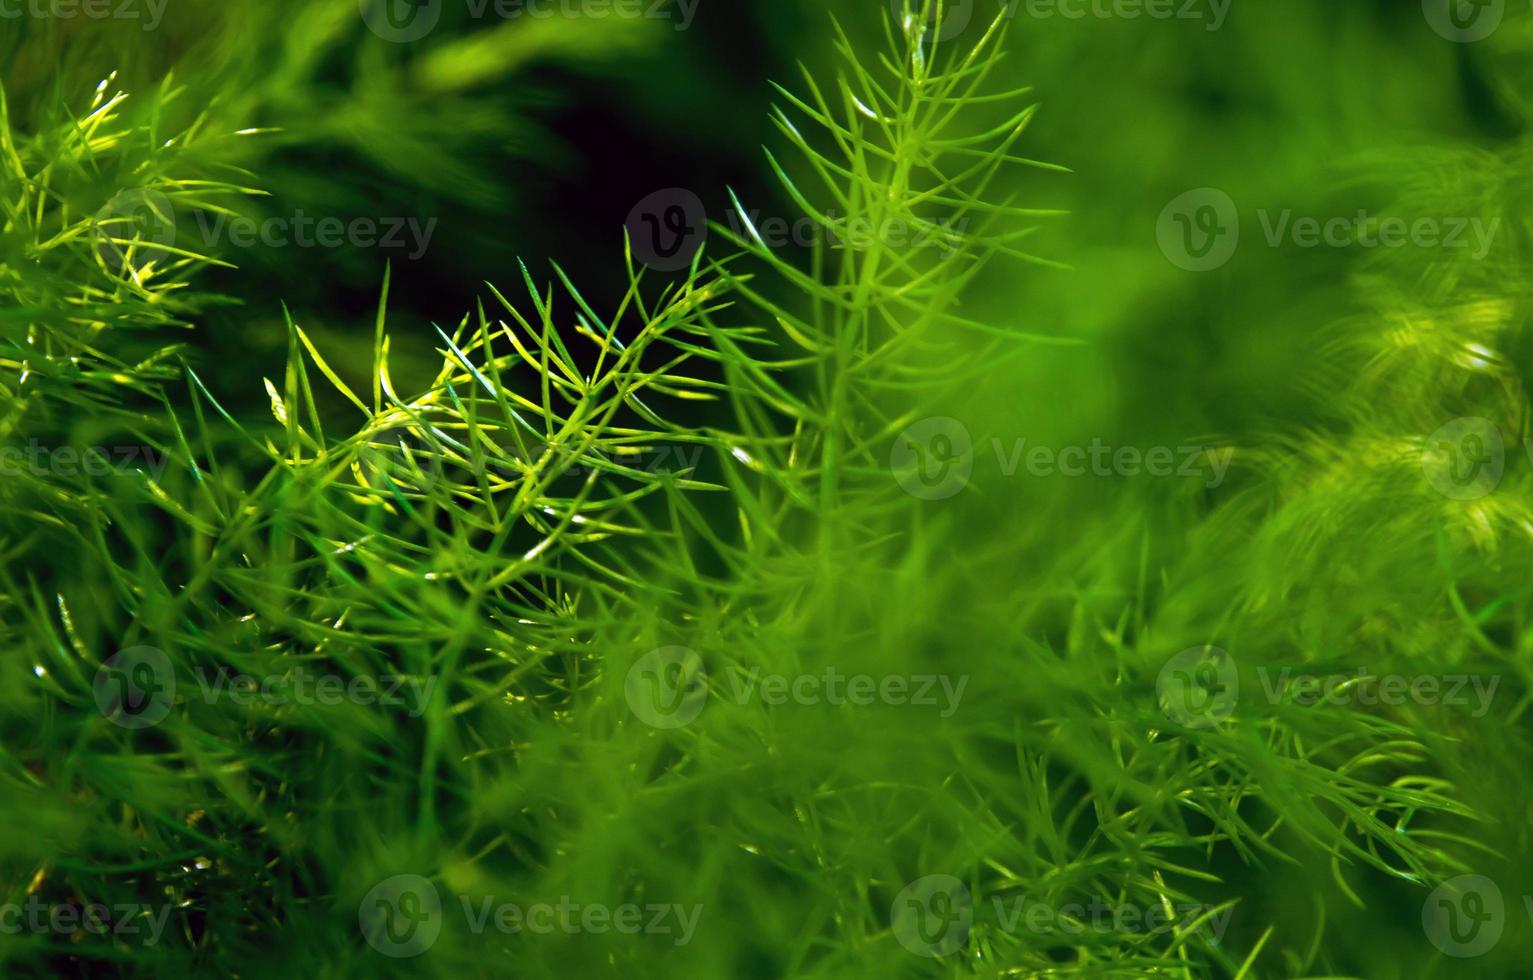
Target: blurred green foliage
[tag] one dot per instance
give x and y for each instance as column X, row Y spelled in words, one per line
column 453, row 487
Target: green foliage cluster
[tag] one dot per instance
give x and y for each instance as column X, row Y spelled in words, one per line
column 703, row 461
